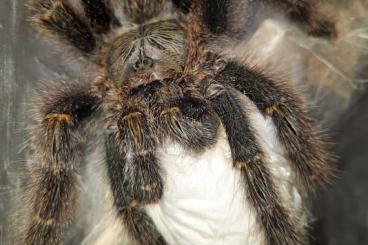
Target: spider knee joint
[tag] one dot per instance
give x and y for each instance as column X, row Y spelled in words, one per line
column 170, row 111
column 132, row 116
column 214, row 90
column 60, row 117
column 133, row 204
column 273, row 109
column 51, row 10
column 149, row 187
column 43, row 221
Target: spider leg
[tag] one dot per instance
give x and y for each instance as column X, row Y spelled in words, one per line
column 59, row 21
column 58, row 147
column 218, row 15
column 249, row 158
column 304, row 148
column 213, row 13
column 307, row 14
column 100, row 15
column 134, row 175
column 140, row 11
column 190, row 122
column 183, row 5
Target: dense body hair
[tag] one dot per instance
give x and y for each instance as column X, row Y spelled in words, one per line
column 160, row 81
column 240, row 18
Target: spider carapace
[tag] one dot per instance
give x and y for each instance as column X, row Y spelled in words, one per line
column 199, row 147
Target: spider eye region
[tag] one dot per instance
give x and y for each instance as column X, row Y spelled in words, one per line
column 153, row 51
column 144, row 63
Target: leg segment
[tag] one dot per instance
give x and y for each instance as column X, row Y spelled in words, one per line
column 100, row 15
column 58, row 147
column 134, row 175
column 213, row 13
column 189, row 122
column 306, row 13
column 141, row 227
column 302, row 144
column 249, row 159
column 59, row 21
column 234, row 16
column 141, row 11
column 183, row 5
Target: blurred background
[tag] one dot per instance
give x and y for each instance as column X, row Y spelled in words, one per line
column 332, row 74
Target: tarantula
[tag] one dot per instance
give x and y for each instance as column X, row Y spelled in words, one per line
column 161, row 83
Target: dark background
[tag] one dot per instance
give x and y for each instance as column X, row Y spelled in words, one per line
column 342, row 210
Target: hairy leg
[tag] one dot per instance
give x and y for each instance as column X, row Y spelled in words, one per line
column 60, row 22
column 213, row 13
column 100, row 15
column 57, row 147
column 250, row 160
column 140, row 11
column 306, row 13
column 302, row 143
column 243, row 16
column 134, row 175
column 189, row 122
column 179, row 112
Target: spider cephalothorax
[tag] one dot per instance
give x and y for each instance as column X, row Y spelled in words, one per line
column 160, row 84
column 154, row 50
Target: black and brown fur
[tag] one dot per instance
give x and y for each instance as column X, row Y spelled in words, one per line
column 158, row 81
column 240, row 18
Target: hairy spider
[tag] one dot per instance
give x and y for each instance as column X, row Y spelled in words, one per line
column 163, row 87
